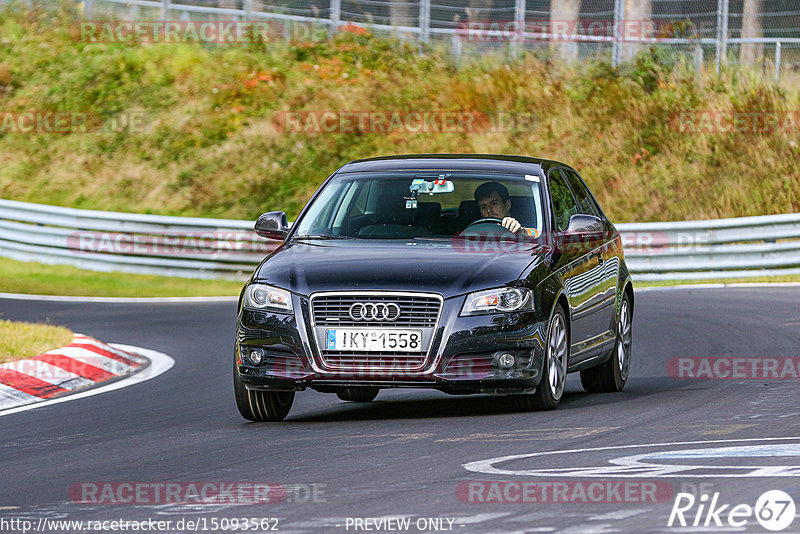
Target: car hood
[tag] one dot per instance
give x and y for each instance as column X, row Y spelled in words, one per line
column 441, row 266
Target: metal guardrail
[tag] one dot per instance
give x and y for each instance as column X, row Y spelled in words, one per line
column 212, row 248
column 719, row 248
column 137, row 243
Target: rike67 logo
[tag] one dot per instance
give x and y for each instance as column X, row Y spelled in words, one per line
column 774, row 510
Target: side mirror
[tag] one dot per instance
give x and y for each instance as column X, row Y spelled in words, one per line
column 272, row 225
column 581, row 225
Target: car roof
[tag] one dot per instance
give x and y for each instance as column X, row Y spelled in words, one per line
column 472, row 162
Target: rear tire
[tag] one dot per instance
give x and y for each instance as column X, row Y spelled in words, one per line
column 358, row 394
column 611, row 376
column 554, row 371
column 261, row 406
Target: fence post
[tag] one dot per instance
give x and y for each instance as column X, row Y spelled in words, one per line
column 164, row 9
column 424, row 20
column 722, row 33
column 87, row 8
column 725, row 12
column 248, row 9
column 616, row 46
column 456, row 49
column 336, row 11
column 698, row 58
column 777, row 61
column 519, row 21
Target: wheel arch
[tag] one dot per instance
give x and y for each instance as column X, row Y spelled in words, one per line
column 561, row 298
column 627, row 290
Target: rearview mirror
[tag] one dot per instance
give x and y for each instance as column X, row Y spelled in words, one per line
column 272, row 225
column 432, row 185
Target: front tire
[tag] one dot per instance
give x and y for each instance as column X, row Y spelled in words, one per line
column 261, row 406
column 554, row 373
column 360, row 394
column 611, row 376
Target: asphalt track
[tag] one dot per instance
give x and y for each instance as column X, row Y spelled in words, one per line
column 405, row 454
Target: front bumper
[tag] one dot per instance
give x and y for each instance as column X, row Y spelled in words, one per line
column 461, row 357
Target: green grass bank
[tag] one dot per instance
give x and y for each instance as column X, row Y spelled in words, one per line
column 210, row 141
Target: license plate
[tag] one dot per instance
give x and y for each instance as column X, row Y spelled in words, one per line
column 374, row 340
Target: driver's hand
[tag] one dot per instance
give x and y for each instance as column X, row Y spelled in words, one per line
column 511, row 224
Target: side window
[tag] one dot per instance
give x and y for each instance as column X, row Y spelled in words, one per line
column 586, row 204
column 563, row 202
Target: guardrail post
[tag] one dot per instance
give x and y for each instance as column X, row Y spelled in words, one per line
column 248, row 9
column 424, row 20
column 164, row 9
column 87, row 8
column 778, row 61
column 336, row 11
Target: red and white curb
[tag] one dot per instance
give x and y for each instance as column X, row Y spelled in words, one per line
column 84, row 362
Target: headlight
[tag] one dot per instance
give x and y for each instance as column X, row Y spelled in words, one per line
column 500, row 300
column 267, row 297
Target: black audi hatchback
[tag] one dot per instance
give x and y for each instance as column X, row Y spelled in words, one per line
column 461, row 273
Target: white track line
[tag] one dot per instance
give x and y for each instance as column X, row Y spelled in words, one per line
column 128, row 300
column 488, row 466
column 159, row 364
column 715, row 286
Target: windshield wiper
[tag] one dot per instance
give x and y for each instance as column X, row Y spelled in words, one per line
column 323, row 236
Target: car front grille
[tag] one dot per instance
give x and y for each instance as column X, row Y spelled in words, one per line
column 375, row 361
column 417, row 311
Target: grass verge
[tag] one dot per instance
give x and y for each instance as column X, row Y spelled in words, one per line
column 747, row 280
column 233, row 131
column 23, row 340
column 41, row 279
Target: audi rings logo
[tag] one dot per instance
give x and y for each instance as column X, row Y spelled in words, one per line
column 370, row 311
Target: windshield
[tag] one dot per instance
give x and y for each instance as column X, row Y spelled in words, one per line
column 435, row 204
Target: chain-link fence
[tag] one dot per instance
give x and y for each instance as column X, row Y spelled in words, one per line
column 760, row 33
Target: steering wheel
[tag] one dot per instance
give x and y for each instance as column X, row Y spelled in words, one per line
column 489, row 220
column 486, row 220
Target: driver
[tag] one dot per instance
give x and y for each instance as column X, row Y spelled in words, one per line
column 493, row 201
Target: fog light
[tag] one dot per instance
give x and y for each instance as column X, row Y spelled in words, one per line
column 506, row 361
column 254, row 357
